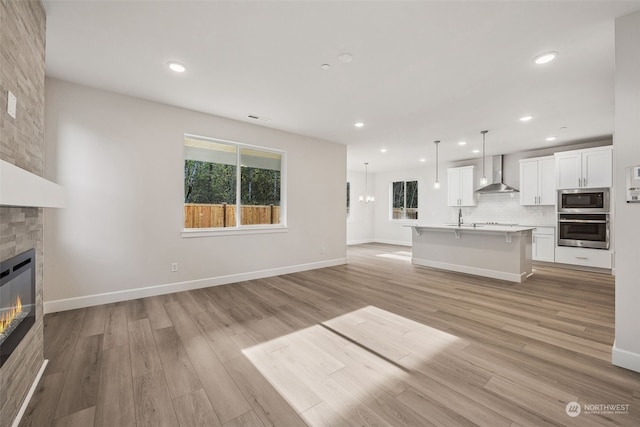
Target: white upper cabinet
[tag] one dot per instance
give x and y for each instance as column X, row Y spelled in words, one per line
column 589, row 168
column 537, row 181
column 597, row 168
column 460, row 186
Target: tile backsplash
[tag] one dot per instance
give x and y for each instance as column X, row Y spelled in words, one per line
column 505, row 208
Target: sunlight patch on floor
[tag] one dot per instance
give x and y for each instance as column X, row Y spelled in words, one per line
column 335, row 371
column 400, row 256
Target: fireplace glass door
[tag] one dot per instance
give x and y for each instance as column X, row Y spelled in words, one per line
column 17, row 301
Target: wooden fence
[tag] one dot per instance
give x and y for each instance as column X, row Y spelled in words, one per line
column 399, row 213
column 213, row 216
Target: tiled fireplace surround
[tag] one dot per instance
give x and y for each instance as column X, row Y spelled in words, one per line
column 22, row 42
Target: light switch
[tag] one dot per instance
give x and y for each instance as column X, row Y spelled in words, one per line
column 12, row 102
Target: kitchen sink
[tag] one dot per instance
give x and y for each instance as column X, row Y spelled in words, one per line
column 465, row 225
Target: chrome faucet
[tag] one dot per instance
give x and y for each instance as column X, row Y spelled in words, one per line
column 459, row 217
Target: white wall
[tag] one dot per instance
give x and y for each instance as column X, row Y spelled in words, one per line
column 360, row 225
column 121, row 162
column 626, row 352
column 432, row 204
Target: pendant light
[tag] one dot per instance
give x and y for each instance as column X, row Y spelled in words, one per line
column 436, row 183
column 483, row 181
column 366, row 198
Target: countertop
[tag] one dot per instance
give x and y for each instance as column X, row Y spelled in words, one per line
column 478, row 227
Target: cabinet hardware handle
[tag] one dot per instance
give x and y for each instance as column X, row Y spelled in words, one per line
column 582, row 257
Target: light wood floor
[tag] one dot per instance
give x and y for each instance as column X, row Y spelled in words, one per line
column 374, row 342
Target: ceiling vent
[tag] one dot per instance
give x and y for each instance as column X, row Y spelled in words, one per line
column 254, row 117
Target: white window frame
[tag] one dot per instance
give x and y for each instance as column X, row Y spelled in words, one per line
column 239, row 228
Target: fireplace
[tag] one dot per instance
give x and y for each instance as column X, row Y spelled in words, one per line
column 17, row 301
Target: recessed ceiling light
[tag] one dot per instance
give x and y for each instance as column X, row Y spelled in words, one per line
column 345, row 57
column 358, row 124
column 176, row 66
column 545, row 58
column 423, row 159
column 462, row 143
column 551, row 138
column 383, row 150
column 525, row 118
column 476, row 151
column 325, row 66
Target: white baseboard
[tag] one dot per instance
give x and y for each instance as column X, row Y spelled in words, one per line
column 129, row 294
column 27, row 399
column 625, row 359
column 393, row 242
column 359, row 242
column 494, row 274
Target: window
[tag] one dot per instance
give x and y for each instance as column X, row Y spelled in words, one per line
column 219, row 195
column 404, row 200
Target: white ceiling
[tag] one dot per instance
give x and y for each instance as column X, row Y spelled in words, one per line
column 421, row 70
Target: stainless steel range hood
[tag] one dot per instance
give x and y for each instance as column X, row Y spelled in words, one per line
column 497, row 186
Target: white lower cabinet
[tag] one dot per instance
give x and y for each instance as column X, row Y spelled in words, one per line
column 599, row 258
column 544, row 244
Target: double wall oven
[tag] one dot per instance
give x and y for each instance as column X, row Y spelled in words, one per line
column 583, row 218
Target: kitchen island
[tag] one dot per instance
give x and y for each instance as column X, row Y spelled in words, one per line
column 499, row 252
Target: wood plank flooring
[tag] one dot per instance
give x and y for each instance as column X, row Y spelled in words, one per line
column 376, row 342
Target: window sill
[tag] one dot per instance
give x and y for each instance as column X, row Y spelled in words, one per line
column 214, row 232
column 404, row 221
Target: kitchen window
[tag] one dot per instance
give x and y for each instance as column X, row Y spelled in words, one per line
column 404, row 200
column 231, row 187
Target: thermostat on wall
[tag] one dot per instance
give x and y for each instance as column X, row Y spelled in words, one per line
column 633, row 184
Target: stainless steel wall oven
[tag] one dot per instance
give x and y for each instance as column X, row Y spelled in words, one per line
column 583, row 230
column 583, row 218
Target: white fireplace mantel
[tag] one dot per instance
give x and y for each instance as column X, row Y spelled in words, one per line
column 19, row 187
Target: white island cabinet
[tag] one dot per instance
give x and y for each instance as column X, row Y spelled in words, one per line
column 499, row 252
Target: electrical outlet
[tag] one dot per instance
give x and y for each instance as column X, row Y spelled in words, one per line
column 174, row 267
column 12, row 103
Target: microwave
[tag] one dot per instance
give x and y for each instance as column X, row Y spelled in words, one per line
column 583, row 200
